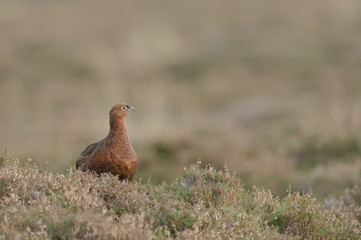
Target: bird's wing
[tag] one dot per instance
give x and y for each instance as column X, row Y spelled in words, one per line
column 89, row 149
column 83, row 156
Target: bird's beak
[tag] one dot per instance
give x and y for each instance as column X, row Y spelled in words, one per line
column 131, row 108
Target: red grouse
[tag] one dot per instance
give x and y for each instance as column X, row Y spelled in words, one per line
column 114, row 154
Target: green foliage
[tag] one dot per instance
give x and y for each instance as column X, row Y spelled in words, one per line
column 208, row 188
column 312, row 152
column 202, row 204
column 303, row 216
column 163, row 150
column 61, row 230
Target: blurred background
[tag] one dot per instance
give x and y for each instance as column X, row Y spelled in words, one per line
column 270, row 89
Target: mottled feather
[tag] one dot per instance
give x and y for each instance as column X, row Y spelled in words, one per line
column 80, row 163
column 113, row 154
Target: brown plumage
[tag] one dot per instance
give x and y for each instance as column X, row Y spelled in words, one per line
column 114, row 154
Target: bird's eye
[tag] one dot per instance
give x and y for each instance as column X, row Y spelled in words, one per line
column 124, row 108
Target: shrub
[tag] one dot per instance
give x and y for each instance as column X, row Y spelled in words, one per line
column 348, row 204
column 201, row 204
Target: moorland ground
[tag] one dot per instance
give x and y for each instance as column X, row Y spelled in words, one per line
column 201, row 204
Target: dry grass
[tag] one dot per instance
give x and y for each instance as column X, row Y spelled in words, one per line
column 202, row 204
column 237, row 82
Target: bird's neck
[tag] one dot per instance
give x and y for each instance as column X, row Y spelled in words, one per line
column 118, row 139
column 117, row 127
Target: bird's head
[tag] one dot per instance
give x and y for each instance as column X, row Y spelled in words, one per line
column 120, row 111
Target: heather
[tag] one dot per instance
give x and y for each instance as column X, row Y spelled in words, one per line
column 203, row 203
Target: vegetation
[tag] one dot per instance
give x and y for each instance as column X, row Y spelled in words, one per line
column 312, row 153
column 348, row 204
column 271, row 90
column 204, row 203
